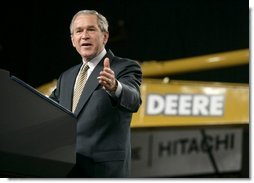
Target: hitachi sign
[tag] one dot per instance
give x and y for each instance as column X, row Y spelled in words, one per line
column 185, row 105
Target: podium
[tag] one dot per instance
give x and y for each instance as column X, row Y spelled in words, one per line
column 37, row 135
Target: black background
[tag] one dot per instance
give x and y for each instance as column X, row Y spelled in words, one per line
column 35, row 41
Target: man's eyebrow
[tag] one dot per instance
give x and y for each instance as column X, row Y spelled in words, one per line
column 87, row 27
column 91, row 26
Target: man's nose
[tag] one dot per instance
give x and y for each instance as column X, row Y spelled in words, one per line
column 85, row 34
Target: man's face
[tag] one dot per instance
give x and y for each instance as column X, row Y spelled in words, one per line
column 87, row 37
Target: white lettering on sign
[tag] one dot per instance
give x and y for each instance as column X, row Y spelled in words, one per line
column 171, row 152
column 185, row 105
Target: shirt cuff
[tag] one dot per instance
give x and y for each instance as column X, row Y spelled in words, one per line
column 118, row 91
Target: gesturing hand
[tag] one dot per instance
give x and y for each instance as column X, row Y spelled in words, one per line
column 107, row 77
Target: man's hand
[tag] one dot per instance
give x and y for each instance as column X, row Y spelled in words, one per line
column 107, row 77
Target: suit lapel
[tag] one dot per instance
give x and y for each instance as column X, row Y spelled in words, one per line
column 70, row 86
column 91, row 84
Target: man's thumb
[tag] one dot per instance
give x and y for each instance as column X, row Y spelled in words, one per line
column 106, row 62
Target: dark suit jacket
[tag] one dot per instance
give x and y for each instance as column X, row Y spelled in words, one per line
column 103, row 126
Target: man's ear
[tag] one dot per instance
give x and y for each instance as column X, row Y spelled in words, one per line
column 106, row 36
column 72, row 41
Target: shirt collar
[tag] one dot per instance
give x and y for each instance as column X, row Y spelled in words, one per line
column 92, row 63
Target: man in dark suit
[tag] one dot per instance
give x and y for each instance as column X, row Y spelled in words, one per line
column 110, row 96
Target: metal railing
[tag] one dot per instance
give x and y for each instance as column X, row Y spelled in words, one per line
column 211, row 61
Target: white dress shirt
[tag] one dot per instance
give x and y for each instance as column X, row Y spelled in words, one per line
column 92, row 64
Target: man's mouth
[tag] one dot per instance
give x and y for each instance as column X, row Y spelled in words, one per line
column 86, row 44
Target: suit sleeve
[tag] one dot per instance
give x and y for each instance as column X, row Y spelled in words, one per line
column 130, row 77
column 56, row 92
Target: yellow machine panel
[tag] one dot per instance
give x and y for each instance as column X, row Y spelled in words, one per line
column 177, row 103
